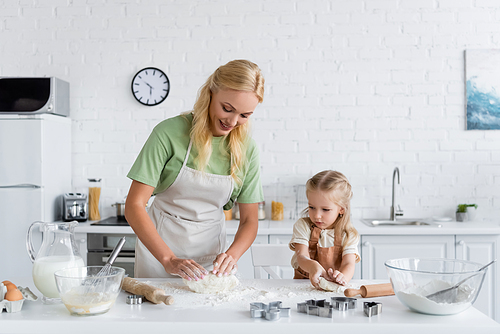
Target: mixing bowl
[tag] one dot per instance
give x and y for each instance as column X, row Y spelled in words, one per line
column 414, row 279
column 84, row 293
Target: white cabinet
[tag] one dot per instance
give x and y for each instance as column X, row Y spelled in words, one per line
column 376, row 249
column 483, row 249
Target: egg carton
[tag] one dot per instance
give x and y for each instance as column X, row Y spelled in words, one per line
column 17, row 305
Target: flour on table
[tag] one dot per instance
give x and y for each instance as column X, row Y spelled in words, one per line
column 331, row 286
column 247, row 291
column 213, row 284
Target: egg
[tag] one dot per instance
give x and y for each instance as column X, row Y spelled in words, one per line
column 10, row 286
column 5, row 282
column 13, row 295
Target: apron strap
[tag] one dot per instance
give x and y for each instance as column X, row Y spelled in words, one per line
column 313, row 242
column 187, row 153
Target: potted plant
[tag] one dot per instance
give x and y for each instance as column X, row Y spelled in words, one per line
column 462, row 211
column 471, row 211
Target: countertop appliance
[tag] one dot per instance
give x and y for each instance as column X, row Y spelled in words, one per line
column 30, row 96
column 75, row 207
column 35, row 169
column 112, row 221
column 100, row 246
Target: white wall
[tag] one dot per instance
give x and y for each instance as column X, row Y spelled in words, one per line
column 356, row 86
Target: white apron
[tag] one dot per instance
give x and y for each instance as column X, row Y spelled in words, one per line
column 189, row 218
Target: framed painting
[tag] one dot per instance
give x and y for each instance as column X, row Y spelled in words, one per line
column 482, row 85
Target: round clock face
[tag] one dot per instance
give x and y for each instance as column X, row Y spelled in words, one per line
column 150, row 86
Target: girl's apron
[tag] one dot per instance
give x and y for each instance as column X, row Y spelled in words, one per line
column 189, row 217
column 326, row 256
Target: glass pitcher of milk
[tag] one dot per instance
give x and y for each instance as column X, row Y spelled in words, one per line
column 58, row 251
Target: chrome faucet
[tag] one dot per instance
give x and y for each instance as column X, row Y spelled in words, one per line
column 395, row 212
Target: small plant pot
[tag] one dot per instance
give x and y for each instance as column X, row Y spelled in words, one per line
column 471, row 213
column 461, row 216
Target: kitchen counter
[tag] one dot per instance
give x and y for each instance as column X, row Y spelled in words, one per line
column 229, row 313
column 447, row 228
column 286, row 227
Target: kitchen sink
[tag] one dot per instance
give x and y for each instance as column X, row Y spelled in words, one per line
column 400, row 222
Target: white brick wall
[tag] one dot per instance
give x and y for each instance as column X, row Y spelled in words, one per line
column 357, row 86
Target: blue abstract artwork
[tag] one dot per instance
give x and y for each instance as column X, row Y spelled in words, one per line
column 482, row 75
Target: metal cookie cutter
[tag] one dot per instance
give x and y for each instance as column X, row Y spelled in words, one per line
column 134, row 299
column 372, row 308
column 321, row 308
column 271, row 311
column 343, row 303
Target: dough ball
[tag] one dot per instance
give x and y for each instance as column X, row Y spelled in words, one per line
column 212, row 284
column 330, row 286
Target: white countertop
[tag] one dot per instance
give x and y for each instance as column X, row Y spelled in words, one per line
column 286, row 227
column 193, row 312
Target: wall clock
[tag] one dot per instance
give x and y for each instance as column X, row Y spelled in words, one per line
column 150, row 86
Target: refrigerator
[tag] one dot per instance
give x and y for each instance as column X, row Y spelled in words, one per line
column 35, row 171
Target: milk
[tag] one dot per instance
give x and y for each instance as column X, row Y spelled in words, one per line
column 44, row 268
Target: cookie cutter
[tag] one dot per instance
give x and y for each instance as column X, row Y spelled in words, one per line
column 135, row 299
column 372, row 308
column 321, row 308
column 272, row 311
column 343, row 303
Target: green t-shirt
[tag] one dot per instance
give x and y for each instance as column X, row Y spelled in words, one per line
column 162, row 156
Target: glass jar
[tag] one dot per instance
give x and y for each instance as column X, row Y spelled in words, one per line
column 94, row 195
column 228, row 214
column 236, row 210
column 262, row 211
column 58, row 251
column 277, row 212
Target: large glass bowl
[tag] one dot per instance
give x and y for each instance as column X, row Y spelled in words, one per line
column 85, row 293
column 414, row 279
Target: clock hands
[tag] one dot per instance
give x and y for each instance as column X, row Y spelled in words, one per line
column 150, row 88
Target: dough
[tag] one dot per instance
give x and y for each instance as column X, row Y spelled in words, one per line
column 213, row 284
column 330, row 286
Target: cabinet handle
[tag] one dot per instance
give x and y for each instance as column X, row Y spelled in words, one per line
column 367, row 244
column 461, row 243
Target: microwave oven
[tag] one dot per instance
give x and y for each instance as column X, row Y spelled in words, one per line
column 36, row 95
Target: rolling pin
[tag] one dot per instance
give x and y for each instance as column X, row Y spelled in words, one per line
column 154, row 295
column 374, row 290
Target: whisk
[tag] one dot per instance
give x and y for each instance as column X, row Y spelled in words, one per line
column 106, row 269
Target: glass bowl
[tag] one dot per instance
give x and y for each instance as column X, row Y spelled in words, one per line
column 84, row 293
column 414, row 279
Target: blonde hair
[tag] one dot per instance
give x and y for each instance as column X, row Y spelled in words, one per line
column 241, row 75
column 336, row 186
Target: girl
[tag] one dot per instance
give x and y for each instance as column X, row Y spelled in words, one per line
column 324, row 240
column 198, row 164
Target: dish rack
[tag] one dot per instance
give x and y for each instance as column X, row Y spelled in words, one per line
column 301, row 202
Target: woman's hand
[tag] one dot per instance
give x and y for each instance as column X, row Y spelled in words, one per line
column 185, row 268
column 224, row 264
column 336, row 277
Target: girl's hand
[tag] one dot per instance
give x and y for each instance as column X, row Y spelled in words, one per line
column 336, row 276
column 224, row 264
column 185, row 268
column 315, row 274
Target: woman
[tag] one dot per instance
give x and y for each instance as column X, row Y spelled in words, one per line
column 198, row 164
